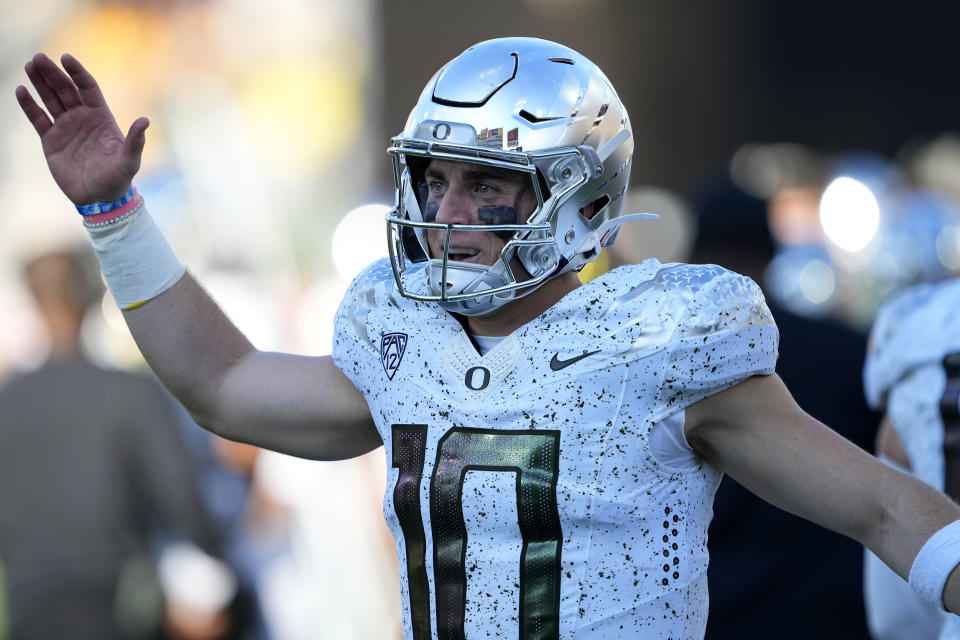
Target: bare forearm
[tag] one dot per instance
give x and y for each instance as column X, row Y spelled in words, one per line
column 912, row 512
column 189, row 343
column 757, row 434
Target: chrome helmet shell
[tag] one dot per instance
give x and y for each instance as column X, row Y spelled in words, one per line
column 532, row 106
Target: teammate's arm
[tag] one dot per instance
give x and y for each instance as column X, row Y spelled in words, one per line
column 888, row 443
column 757, row 434
column 297, row 405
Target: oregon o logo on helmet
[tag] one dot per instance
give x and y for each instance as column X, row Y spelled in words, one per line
column 471, row 378
column 441, row 131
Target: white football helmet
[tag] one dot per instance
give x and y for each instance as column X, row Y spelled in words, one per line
column 528, row 105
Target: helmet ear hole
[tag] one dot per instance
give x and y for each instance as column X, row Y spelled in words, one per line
column 590, row 211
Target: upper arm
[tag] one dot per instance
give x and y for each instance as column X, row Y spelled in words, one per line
column 755, row 432
column 302, row 406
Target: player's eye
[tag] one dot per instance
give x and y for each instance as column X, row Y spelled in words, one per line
column 435, row 186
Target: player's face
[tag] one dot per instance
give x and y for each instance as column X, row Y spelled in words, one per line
column 464, row 193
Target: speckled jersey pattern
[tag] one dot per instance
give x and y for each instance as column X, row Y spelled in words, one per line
column 521, row 489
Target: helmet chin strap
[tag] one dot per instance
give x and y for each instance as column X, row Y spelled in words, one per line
column 465, row 277
column 592, row 241
column 486, row 279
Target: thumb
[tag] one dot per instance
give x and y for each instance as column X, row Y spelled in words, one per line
column 133, row 143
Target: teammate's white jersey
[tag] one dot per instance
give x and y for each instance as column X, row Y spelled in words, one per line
column 904, row 374
column 521, row 490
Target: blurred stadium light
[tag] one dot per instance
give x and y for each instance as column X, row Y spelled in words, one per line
column 849, row 214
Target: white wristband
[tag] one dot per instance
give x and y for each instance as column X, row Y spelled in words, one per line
column 936, row 560
column 137, row 262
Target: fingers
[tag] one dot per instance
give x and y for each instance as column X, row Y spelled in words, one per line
column 133, row 144
column 38, row 117
column 88, row 88
column 55, row 82
column 49, row 97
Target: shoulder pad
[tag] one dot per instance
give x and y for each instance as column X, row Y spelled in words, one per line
column 370, row 290
column 915, row 327
column 672, row 302
column 711, row 326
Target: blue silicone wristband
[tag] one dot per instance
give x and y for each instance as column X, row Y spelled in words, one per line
column 104, row 207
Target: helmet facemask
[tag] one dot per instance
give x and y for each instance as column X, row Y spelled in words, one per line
column 525, row 105
column 529, row 256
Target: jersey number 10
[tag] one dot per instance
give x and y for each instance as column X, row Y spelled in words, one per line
column 534, row 457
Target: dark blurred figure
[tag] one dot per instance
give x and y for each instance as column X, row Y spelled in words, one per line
column 91, row 469
column 769, row 568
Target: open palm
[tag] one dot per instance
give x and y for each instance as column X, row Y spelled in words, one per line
column 88, row 155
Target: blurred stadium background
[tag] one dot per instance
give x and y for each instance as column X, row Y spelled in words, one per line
column 265, row 160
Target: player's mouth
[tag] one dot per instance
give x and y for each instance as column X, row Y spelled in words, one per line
column 463, row 254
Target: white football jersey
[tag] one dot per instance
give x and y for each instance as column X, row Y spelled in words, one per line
column 522, row 492
column 904, row 373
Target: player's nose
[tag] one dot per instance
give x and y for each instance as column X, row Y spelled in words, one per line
column 456, row 207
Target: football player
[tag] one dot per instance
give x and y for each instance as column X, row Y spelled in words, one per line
column 913, row 372
column 553, row 448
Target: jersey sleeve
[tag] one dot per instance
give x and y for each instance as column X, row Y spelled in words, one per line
column 355, row 350
column 726, row 335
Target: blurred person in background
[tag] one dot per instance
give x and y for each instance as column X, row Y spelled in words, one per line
column 575, row 432
column 93, row 477
column 912, row 375
column 253, row 529
column 336, row 576
column 764, row 561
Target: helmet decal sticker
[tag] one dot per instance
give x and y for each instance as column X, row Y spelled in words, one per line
column 513, row 138
column 392, row 348
column 490, row 138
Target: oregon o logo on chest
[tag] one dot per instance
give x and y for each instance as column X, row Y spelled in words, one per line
column 441, row 131
column 477, row 378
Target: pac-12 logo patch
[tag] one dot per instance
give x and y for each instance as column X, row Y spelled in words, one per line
column 392, row 347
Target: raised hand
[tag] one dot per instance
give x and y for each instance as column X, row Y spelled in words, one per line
column 88, row 155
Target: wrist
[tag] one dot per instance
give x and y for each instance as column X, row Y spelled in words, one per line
column 137, row 262
column 935, row 562
column 116, row 207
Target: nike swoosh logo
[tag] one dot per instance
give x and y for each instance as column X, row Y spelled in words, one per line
column 557, row 364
